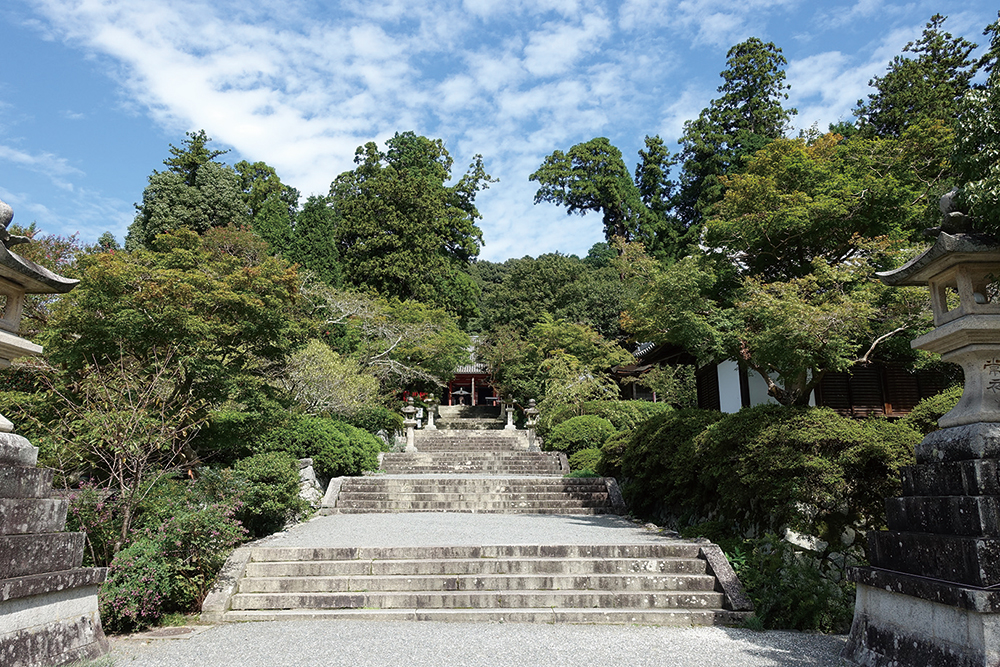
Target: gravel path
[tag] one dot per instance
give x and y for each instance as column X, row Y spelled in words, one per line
column 387, row 643
column 456, row 529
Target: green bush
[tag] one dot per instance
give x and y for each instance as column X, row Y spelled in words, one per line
column 624, row 415
column 925, row 414
column 137, row 589
column 807, row 468
column 792, row 590
column 660, row 466
column 376, row 419
column 336, row 448
column 268, row 492
column 578, row 433
column 612, row 451
column 585, row 459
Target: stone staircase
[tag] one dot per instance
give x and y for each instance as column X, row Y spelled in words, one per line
column 670, row 583
column 469, row 418
column 662, row 582
column 507, row 495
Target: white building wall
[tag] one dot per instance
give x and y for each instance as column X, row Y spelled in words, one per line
column 729, row 388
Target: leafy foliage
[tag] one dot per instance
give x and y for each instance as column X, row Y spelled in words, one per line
column 585, row 459
column 337, row 448
column 925, row 414
column 579, row 433
column 268, row 492
column 401, row 231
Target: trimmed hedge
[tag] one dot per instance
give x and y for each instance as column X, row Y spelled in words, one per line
column 767, row 467
column 624, row 415
column 585, row 459
column 269, row 493
column 659, row 464
column 376, row 419
column 583, row 432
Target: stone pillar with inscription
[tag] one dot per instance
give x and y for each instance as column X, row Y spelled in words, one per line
column 931, row 596
column 48, row 603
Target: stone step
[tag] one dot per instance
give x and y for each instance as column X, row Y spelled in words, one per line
column 480, row 599
column 402, row 504
column 478, row 483
column 475, row 497
column 664, row 617
column 477, row 582
column 477, row 566
column 402, row 469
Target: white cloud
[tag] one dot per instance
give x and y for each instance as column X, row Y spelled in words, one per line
column 53, row 167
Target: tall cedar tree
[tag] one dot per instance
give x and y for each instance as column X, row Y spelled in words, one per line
column 747, row 117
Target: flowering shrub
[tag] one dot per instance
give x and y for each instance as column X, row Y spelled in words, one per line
column 137, row 589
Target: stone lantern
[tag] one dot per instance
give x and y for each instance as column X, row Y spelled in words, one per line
column 932, row 593
column 48, row 603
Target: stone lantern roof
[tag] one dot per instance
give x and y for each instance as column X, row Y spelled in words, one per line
column 31, row 277
column 948, row 251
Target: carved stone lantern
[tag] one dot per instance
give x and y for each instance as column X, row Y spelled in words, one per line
column 410, row 423
column 530, row 423
column 48, row 603
column 932, row 593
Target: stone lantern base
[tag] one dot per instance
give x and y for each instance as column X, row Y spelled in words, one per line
column 931, row 597
column 48, row 603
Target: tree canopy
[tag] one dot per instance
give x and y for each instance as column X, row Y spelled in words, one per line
column 401, row 230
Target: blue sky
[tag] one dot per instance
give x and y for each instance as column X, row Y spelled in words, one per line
column 92, row 91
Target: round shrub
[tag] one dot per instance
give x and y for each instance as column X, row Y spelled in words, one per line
column 578, row 433
column 585, row 459
column 612, row 451
column 137, row 589
column 269, row 497
column 925, row 414
column 376, row 419
column 335, row 447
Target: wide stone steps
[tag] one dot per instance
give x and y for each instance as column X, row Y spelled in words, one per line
column 594, row 616
column 655, row 583
column 425, row 443
column 534, row 495
column 493, row 463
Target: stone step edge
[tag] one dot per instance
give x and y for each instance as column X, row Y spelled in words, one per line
column 218, row 602
column 665, row 582
column 486, row 599
column 620, row 616
column 614, row 492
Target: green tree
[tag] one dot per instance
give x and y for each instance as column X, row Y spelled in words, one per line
column 592, row 176
column 219, row 304
column 928, row 85
column 747, row 116
column 271, row 204
column 313, row 241
column 404, row 233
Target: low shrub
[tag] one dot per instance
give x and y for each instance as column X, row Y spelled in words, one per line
column 925, row 414
column 806, row 468
column 137, row 589
column 624, row 415
column 612, row 451
column 583, row 432
column 268, row 491
column 794, row 590
column 585, row 459
column 376, row 419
